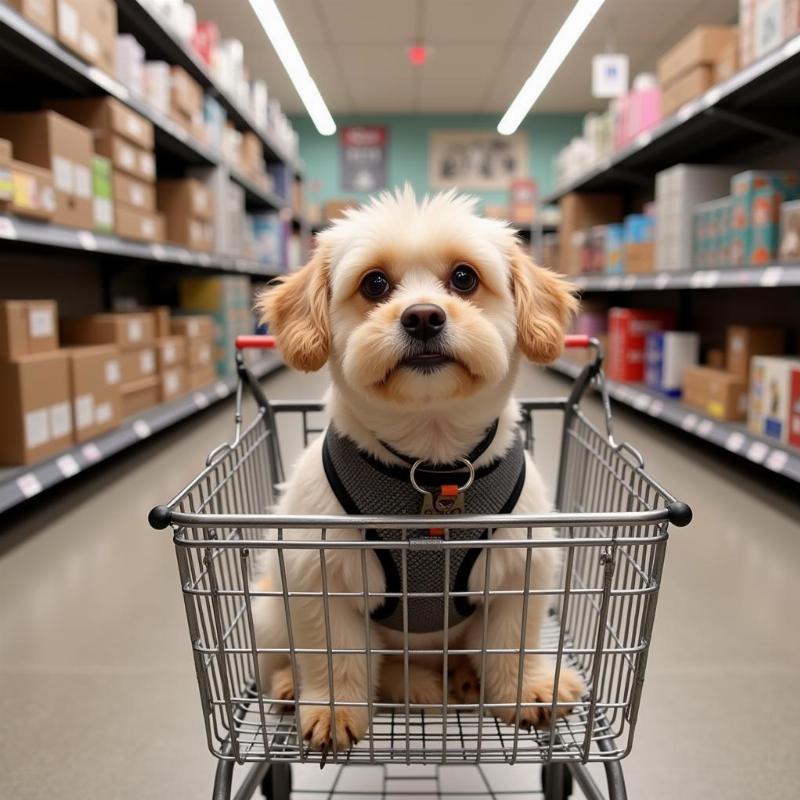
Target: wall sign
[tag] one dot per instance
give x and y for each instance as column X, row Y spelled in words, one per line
column 609, row 75
column 363, row 157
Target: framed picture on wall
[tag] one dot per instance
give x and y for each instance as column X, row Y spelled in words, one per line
column 476, row 159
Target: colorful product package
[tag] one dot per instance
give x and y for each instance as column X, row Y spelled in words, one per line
column 639, row 247
column 614, row 249
column 770, row 405
column 668, row 354
column 790, row 231
column 627, row 332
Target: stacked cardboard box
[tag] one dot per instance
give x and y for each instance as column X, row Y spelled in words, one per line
column 186, row 103
column 95, row 374
column 689, row 68
column 135, row 336
column 127, row 139
column 187, row 206
column 25, row 189
column 39, row 12
column 89, row 29
column 171, row 359
column 35, row 416
column 579, row 212
column 198, row 330
column 50, row 141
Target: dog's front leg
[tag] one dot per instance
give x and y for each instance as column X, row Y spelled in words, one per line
column 501, row 675
column 341, row 628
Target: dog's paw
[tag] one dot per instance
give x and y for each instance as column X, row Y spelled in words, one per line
column 464, row 684
column 538, row 688
column 317, row 727
column 281, row 687
column 424, row 684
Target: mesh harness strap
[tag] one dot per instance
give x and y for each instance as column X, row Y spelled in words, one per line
column 364, row 485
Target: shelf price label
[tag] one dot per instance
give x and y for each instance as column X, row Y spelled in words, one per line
column 29, row 484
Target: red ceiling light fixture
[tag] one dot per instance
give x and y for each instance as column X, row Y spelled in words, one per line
column 417, row 54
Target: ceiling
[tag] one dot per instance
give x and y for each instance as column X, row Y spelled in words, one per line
column 480, row 51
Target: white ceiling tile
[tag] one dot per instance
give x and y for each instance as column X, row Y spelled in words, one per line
column 448, row 21
column 370, row 21
column 457, row 76
column 377, row 75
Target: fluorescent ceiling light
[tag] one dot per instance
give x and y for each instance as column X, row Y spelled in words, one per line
column 569, row 33
column 275, row 28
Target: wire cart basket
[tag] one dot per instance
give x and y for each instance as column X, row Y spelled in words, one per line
column 611, row 529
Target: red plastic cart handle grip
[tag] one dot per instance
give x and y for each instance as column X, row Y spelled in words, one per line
column 261, row 342
column 577, row 340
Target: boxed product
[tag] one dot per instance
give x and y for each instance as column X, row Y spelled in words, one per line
column 768, row 29
column 144, row 226
column 679, row 190
column 716, row 392
column 218, row 293
column 627, row 332
column 95, row 375
column 744, row 342
column 157, row 85
column 198, row 377
column 107, row 115
column 251, row 154
column 102, row 196
column 129, row 63
column 161, row 317
column 174, row 383
column 689, row 85
column 35, row 415
column 137, row 364
column 205, row 39
column 199, row 352
column 579, row 212
column 89, row 29
column 126, row 330
column 727, row 62
column 268, row 240
column 712, row 233
column 770, row 408
column 614, row 250
column 790, row 231
column 170, row 352
column 523, row 200
column 715, row 357
column 134, row 193
column 755, row 216
column 32, row 191
column 668, row 355
column 52, row 141
column 639, row 234
column 185, row 197
column 39, row 12
column 193, row 326
column 186, row 101
column 141, row 395
column 27, row 327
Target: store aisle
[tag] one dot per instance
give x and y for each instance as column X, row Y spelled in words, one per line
column 98, row 695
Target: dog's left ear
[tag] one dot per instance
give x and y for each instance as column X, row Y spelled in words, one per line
column 545, row 305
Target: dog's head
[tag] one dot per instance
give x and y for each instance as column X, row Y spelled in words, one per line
column 418, row 303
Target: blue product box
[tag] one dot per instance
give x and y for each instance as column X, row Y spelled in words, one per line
column 614, row 249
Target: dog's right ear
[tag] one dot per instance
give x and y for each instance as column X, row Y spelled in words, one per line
column 296, row 309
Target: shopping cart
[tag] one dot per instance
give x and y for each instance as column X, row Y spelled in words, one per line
column 611, row 527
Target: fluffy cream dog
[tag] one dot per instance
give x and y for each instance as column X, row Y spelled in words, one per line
column 422, row 310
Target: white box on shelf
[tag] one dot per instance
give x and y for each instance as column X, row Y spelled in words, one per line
column 130, row 63
column 157, row 78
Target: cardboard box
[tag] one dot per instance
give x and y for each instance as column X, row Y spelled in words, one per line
column 690, row 85
column 139, row 396
column 126, row 330
column 717, row 393
column 580, row 212
column 39, row 12
column 523, row 200
column 107, row 115
column 27, row 327
column 35, row 414
column 193, row 326
column 715, row 357
column 727, row 63
column 199, row 353
column 185, row 197
column 95, row 375
column 705, row 45
column 157, row 85
column 143, row 226
column 744, row 342
column 174, row 383
column 770, row 406
column 6, row 186
column 137, row 364
column 161, row 317
column 614, row 249
column 191, row 233
column 170, row 352
column 134, row 193
column 127, row 157
column 627, row 332
column 199, row 377
column 129, row 63
column 186, row 96
column 102, row 196
column 52, row 141
column 89, row 29
column 32, row 191
column 668, row 355
column 218, row 293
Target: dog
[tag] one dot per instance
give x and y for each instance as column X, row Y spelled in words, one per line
column 422, row 311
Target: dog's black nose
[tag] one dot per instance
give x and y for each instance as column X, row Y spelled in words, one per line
column 423, row 321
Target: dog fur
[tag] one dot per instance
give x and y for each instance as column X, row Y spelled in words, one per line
column 319, row 316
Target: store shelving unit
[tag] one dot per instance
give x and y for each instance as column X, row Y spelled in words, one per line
column 731, row 436
column 18, row 484
column 777, row 275
column 744, row 110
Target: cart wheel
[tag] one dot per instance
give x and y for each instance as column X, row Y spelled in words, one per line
column 277, row 783
column 556, row 781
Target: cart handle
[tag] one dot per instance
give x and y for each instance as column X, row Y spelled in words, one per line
column 259, row 342
column 576, row 340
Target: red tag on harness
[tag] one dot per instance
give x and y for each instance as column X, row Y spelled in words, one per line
column 448, row 501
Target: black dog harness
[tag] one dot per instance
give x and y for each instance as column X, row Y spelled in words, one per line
column 364, row 485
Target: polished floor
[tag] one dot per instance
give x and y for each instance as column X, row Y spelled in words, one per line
column 98, row 698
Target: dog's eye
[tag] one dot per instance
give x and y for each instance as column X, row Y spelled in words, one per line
column 375, row 285
column 464, row 279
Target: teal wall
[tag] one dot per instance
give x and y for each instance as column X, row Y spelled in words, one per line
column 408, row 149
